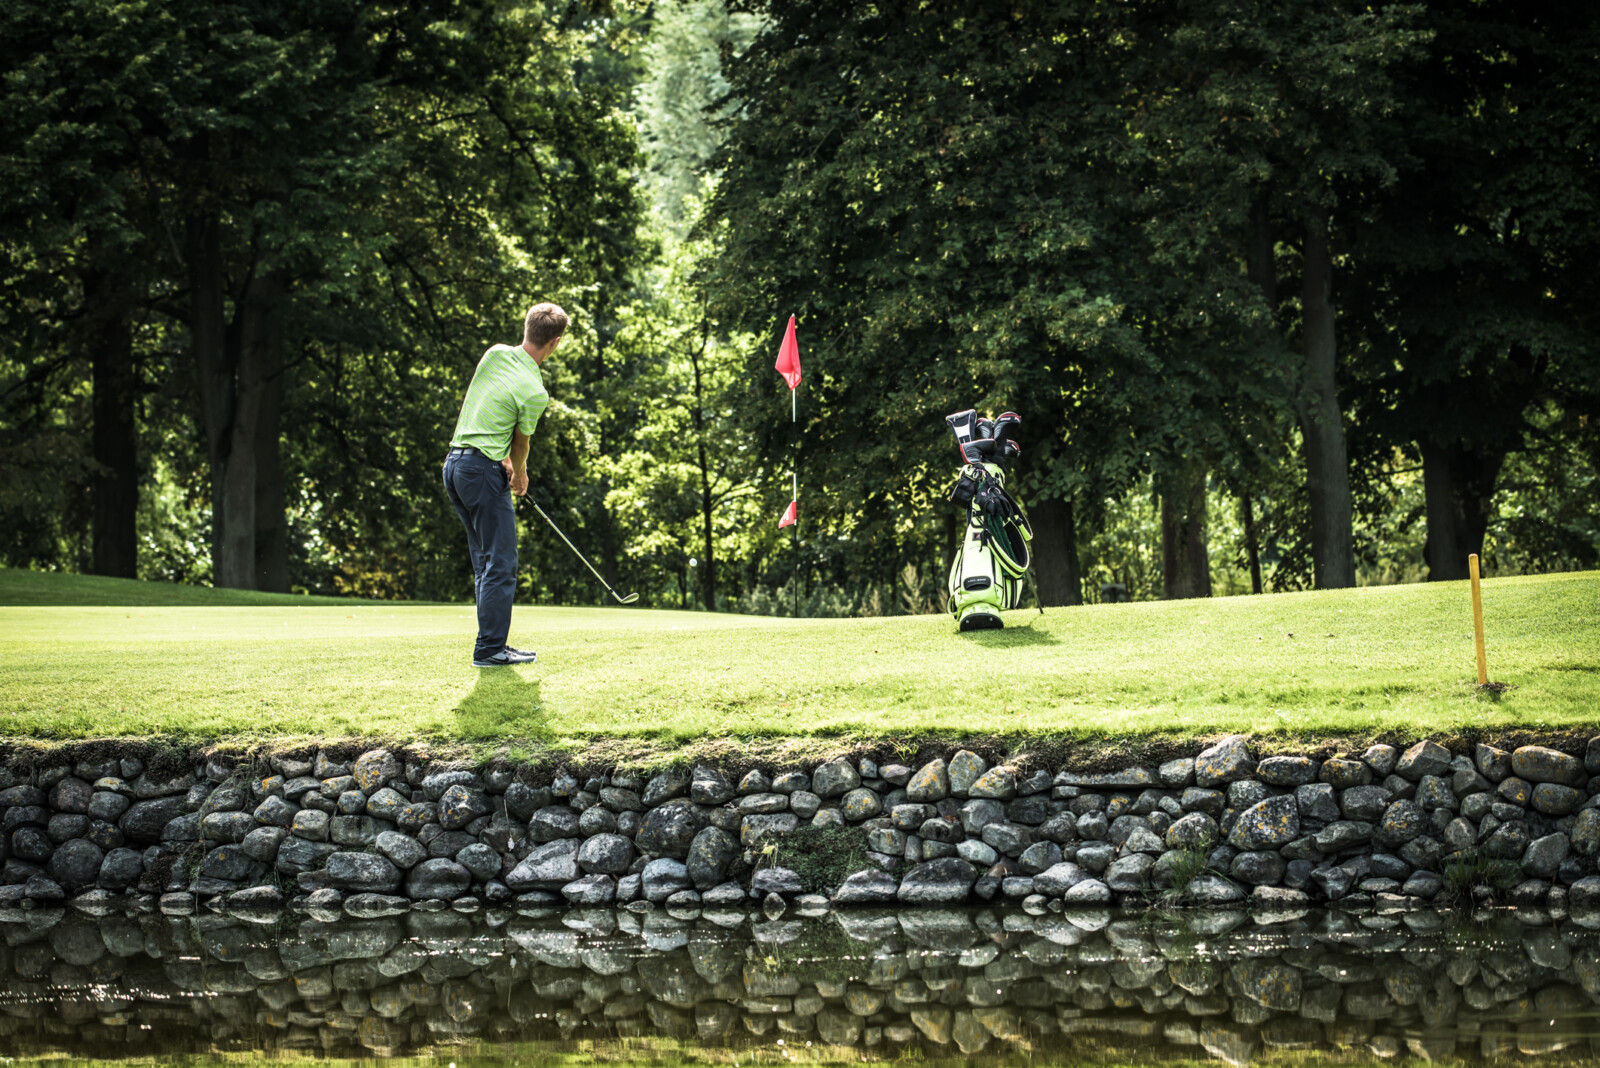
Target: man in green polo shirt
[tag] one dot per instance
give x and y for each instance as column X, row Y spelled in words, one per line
column 488, row 463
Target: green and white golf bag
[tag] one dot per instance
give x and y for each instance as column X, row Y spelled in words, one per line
column 986, row 574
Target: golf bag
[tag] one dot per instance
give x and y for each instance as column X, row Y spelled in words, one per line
column 986, row 574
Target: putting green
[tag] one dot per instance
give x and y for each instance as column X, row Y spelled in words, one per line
column 1348, row 661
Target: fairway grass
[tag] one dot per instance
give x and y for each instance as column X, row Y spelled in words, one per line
column 1379, row 660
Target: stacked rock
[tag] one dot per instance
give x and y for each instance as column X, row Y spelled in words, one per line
column 391, row 832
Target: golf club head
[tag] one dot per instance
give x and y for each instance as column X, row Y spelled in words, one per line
column 629, row 599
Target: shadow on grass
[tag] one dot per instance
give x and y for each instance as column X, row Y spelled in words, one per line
column 502, row 705
column 1009, row 638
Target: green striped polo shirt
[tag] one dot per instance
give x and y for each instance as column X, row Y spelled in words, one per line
column 507, row 393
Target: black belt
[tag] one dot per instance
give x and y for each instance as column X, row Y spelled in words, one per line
column 461, row 450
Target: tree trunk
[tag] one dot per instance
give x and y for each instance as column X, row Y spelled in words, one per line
column 271, row 522
column 1055, row 545
column 1252, row 541
column 114, row 488
column 1321, row 423
column 1458, row 484
column 214, row 368
column 1185, row 564
column 1260, row 262
column 708, row 579
column 239, row 367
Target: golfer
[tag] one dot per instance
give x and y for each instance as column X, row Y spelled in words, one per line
column 488, row 463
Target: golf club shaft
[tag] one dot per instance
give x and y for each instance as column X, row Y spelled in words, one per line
column 574, row 549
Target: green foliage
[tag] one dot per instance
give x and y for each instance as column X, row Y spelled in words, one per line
column 1465, row 873
column 1092, row 214
column 1184, row 867
column 823, row 857
column 683, row 99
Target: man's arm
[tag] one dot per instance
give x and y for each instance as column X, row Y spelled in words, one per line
column 516, row 464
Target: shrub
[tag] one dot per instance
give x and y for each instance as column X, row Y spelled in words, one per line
column 822, row 856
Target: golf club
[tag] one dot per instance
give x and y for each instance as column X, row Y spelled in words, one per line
column 629, row 599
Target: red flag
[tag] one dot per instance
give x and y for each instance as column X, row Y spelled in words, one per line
column 788, row 364
column 791, row 515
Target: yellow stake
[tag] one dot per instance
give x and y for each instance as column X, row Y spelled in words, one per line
column 1477, row 621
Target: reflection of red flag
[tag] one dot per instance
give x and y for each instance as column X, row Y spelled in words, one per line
column 791, row 515
column 788, row 364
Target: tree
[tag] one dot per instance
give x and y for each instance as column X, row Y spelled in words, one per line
column 301, row 188
column 1285, row 120
column 1478, row 270
column 942, row 195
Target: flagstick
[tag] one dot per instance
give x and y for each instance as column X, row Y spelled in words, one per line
column 795, row 471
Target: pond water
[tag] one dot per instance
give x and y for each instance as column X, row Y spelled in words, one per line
column 616, row 987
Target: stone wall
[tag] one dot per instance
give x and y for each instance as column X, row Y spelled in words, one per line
column 387, row 832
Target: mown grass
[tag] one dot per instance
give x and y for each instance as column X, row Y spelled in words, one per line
column 51, row 588
column 1363, row 661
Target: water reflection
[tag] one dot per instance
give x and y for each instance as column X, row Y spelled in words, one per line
column 735, row 987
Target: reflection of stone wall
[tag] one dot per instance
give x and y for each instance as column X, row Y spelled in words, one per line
column 945, row 982
column 385, row 831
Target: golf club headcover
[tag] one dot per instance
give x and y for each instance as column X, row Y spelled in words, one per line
column 985, row 427
column 964, row 426
column 1005, row 425
column 977, row 450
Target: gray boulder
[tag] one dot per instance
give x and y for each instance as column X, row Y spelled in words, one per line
column 364, row 872
column 835, row 779
column 552, row 823
column 1287, row 770
column 662, row 878
column 296, row 855
column 120, row 869
column 1424, row 758
column 375, row 768
column 605, row 854
column 460, row 804
column 1266, row 825
column 1538, row 763
column 76, row 863
column 1226, row 762
column 482, row 861
column 145, row 820
column 669, row 829
column 440, row 879
column 878, row 888
column 1544, row 855
column 402, row 849
column 710, row 854
column 591, row 890
column 665, row 786
column 946, row 880
column 1129, row 874
column 931, row 783
column 1555, row 800
column 548, row 867
column 1262, row 868
column 227, row 826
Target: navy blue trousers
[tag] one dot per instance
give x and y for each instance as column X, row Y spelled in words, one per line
column 481, row 492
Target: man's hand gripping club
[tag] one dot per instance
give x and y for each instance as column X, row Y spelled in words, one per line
column 516, row 464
